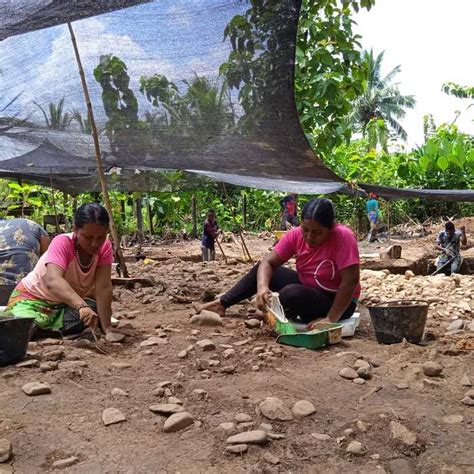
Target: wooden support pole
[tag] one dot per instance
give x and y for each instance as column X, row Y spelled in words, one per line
column 244, row 210
column 100, row 166
column 53, row 199
column 194, row 233
column 139, row 213
column 150, row 218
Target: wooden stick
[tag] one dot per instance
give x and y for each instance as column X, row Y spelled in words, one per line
column 53, row 198
column 100, row 166
column 222, row 250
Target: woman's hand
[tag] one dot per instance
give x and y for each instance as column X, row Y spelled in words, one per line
column 264, row 298
column 89, row 317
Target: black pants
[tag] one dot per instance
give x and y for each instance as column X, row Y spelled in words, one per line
column 298, row 300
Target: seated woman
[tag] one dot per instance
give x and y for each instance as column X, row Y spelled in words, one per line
column 326, row 281
column 74, row 266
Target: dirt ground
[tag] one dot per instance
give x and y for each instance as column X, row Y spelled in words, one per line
column 68, row 422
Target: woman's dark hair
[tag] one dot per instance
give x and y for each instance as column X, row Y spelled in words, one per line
column 211, row 211
column 92, row 213
column 449, row 225
column 319, row 210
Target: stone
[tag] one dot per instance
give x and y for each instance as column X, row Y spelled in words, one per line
column 236, row 448
column 271, row 459
column 50, row 342
column 468, row 401
column 53, row 356
column 402, row 434
column 242, row 418
column 348, row 373
column 175, row 400
column 48, row 366
column 114, row 337
column 470, row 394
column 249, row 437
column 228, row 353
column 360, row 425
column 252, row 323
column 402, row 386
column 28, row 364
column 355, row 447
column 401, row 466
column 200, row 394
column 36, row 388
column 432, row 369
column 229, row 369
column 227, row 426
column 213, row 362
column 118, row 392
column 255, row 368
column 206, row 318
column 453, row 419
column 320, row 436
column 242, row 343
column 456, row 325
column 349, row 432
column 265, row 427
column 303, row 408
column 166, row 409
column 361, row 363
column 67, row 462
column 183, row 354
column 364, row 373
column 121, row 365
column 5, row 450
column 111, row 416
column 206, row 345
column 177, row 422
column 359, row 381
column 273, row 408
column 466, row 381
column 10, row 374
column 409, row 275
column 153, row 341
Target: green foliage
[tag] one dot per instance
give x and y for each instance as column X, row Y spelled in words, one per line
column 55, row 118
column 462, row 92
column 123, row 128
column 380, row 103
column 84, row 123
column 329, row 75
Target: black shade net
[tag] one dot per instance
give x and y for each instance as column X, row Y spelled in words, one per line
column 201, row 85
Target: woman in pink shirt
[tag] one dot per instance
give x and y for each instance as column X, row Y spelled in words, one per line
column 75, row 266
column 326, row 281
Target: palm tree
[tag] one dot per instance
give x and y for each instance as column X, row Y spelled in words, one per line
column 84, row 123
column 378, row 109
column 57, row 118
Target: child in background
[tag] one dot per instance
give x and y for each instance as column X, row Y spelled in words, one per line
column 209, row 236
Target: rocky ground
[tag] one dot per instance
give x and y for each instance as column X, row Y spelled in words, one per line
column 171, row 395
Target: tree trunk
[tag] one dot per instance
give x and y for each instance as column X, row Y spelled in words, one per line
column 150, row 219
column 194, row 233
column 244, row 210
column 139, row 214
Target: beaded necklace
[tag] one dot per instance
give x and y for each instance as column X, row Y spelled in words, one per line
column 84, row 268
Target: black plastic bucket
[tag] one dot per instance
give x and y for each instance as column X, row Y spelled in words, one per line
column 14, row 337
column 394, row 321
column 5, row 292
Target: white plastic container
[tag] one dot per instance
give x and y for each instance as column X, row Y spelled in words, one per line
column 349, row 325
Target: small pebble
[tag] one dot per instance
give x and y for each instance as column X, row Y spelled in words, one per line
column 111, row 416
column 271, row 459
column 118, row 392
column 432, row 369
column 242, row 418
column 36, row 388
column 177, row 422
column 114, row 337
column 359, row 381
column 320, row 436
column 360, row 425
column 227, row 426
column 355, row 447
column 249, row 437
column 402, row 386
column 67, row 462
column 5, row 450
column 303, row 408
column 237, row 449
column 348, row 373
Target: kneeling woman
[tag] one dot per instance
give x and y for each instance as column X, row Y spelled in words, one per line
column 326, row 281
column 75, row 266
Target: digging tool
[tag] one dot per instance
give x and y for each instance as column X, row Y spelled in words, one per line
column 222, row 250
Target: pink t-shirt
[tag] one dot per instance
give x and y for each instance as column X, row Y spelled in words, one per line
column 321, row 266
column 61, row 252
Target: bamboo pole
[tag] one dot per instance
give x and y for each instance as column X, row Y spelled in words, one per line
column 100, row 166
column 53, row 198
column 194, row 232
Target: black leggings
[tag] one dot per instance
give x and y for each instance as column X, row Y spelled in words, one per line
column 298, row 300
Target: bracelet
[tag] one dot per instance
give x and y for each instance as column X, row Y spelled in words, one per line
column 83, row 305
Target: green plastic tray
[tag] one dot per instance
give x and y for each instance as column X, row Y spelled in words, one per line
column 315, row 339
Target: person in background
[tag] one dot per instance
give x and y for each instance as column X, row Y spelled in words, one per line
column 449, row 242
column 75, row 266
column 209, row 236
column 326, row 281
column 373, row 214
column 22, row 242
column 289, row 212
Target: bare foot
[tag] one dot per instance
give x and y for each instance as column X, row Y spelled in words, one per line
column 216, row 306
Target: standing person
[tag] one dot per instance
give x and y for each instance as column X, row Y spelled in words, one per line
column 449, row 242
column 75, row 266
column 22, row 242
column 326, row 281
column 289, row 212
column 209, row 236
column 373, row 214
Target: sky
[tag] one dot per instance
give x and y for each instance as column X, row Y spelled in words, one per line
column 432, row 40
